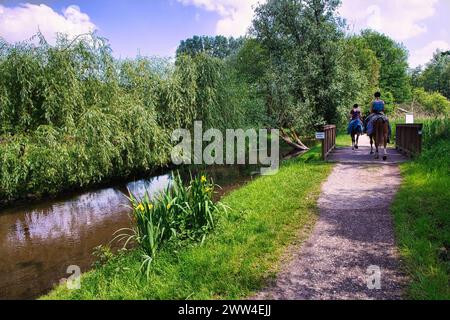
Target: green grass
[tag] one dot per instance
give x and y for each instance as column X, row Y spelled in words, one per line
column 238, row 259
column 343, row 139
column 422, row 219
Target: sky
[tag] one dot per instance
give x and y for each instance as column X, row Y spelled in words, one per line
column 155, row 27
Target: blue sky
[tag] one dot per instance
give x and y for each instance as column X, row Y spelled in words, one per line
column 155, row 27
column 152, row 27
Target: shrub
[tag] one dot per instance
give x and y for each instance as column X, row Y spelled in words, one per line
column 179, row 214
column 433, row 104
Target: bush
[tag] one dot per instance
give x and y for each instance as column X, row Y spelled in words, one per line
column 179, row 214
column 432, row 104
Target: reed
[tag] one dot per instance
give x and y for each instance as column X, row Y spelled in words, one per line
column 181, row 213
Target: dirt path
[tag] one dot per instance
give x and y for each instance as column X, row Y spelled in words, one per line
column 353, row 237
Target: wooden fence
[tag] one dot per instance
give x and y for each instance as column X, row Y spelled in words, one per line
column 329, row 143
column 409, row 139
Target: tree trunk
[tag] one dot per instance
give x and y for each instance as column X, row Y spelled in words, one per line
column 293, row 140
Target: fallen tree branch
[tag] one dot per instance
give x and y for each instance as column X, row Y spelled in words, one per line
column 293, row 140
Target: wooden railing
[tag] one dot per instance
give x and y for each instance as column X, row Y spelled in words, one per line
column 329, row 143
column 409, row 139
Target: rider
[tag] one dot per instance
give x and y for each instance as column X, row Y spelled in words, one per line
column 378, row 104
column 356, row 120
column 377, row 110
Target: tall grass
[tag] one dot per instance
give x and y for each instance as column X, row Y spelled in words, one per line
column 177, row 215
column 422, row 215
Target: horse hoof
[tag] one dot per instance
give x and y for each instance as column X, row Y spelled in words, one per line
column 356, row 147
column 371, row 152
column 384, row 158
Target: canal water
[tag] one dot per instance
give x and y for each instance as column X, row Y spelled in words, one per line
column 38, row 242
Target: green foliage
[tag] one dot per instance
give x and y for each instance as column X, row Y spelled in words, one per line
column 302, row 39
column 72, row 116
column 393, row 58
column 241, row 256
column 431, row 104
column 436, row 76
column 436, row 130
column 363, row 63
column 218, row 46
column 251, row 62
column 422, row 217
column 179, row 214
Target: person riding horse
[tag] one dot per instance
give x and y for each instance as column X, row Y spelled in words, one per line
column 377, row 111
column 356, row 126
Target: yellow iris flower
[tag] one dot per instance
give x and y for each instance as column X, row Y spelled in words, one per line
column 203, row 179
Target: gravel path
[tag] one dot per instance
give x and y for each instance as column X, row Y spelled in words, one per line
column 354, row 233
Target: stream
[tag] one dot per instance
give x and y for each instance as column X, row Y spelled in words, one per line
column 39, row 241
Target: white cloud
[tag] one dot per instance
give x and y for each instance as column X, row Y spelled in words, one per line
column 236, row 15
column 424, row 55
column 400, row 19
column 22, row 22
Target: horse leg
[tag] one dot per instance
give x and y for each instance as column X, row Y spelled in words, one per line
column 371, row 144
column 386, row 137
column 377, row 154
column 357, row 141
column 353, row 142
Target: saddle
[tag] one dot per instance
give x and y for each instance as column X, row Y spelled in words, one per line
column 371, row 123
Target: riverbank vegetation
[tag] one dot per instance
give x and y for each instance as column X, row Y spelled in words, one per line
column 422, row 216
column 180, row 214
column 72, row 115
column 238, row 258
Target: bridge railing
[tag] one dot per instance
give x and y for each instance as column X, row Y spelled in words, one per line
column 329, row 143
column 409, row 139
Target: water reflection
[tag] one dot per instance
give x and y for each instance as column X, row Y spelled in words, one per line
column 38, row 243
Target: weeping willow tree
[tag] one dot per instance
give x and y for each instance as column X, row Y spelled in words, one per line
column 72, row 115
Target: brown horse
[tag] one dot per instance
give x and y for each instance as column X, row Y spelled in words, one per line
column 380, row 136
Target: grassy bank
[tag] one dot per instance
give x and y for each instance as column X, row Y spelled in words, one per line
column 422, row 216
column 238, row 259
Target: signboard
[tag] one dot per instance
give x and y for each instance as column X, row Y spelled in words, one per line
column 409, row 118
column 320, row 135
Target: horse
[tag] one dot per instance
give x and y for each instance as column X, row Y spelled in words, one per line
column 356, row 132
column 380, row 136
